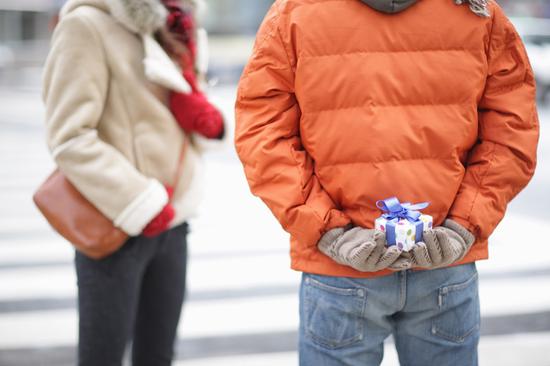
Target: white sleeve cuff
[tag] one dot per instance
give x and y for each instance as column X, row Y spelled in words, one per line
column 133, row 219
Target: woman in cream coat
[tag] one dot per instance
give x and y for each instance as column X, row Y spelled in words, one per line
column 107, row 88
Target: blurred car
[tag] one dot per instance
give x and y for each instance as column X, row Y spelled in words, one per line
column 535, row 33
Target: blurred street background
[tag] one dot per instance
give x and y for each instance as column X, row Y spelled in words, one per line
column 242, row 306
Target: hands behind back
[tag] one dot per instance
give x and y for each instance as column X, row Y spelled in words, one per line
column 366, row 250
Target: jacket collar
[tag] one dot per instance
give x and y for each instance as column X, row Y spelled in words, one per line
column 390, row 6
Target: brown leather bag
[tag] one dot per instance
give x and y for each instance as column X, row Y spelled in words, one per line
column 77, row 220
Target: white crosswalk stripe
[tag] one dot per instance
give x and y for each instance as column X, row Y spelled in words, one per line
column 241, row 291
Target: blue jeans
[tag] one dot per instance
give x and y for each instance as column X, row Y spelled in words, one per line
column 432, row 315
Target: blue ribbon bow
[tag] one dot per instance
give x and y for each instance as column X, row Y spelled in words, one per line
column 397, row 210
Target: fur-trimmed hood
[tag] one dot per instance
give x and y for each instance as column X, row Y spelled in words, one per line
column 139, row 16
column 143, row 17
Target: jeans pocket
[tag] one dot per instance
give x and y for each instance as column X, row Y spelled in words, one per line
column 333, row 315
column 458, row 314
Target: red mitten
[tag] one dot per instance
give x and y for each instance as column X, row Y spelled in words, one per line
column 162, row 221
column 195, row 113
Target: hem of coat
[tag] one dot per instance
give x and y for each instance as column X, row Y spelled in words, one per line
column 320, row 264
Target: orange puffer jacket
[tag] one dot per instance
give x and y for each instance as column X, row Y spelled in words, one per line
column 341, row 105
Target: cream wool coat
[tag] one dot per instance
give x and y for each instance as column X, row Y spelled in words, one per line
column 108, row 127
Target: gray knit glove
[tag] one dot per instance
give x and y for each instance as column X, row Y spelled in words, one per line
column 361, row 249
column 441, row 247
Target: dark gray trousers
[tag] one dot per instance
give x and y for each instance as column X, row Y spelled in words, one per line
column 134, row 295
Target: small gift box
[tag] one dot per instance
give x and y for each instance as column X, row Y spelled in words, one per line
column 402, row 222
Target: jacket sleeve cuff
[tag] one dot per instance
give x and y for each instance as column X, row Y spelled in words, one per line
column 464, row 223
column 336, row 219
column 133, row 219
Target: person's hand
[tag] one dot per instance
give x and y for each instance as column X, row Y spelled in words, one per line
column 162, row 221
column 362, row 249
column 441, row 247
column 194, row 113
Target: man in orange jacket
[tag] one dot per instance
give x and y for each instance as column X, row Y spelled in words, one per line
column 347, row 102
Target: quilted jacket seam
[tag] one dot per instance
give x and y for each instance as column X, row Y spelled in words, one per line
column 489, row 56
column 277, row 32
column 384, row 106
column 385, row 161
column 288, row 59
column 468, row 50
column 260, row 47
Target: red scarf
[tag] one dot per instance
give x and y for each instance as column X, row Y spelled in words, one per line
column 181, row 23
column 193, row 112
